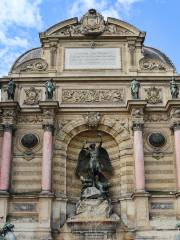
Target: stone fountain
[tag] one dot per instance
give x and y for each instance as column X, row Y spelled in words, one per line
column 94, row 217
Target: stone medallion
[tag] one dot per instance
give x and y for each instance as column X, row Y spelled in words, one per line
column 29, row 140
column 157, row 139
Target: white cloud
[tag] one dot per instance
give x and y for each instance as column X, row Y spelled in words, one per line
column 116, row 9
column 24, row 13
column 15, row 41
column 16, row 15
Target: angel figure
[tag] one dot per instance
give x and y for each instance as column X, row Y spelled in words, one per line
column 93, row 161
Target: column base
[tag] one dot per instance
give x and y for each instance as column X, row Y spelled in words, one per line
column 141, row 201
column 4, row 193
column 45, row 209
column 4, row 198
column 46, row 193
column 177, row 205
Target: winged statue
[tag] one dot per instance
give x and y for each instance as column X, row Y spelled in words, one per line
column 93, row 163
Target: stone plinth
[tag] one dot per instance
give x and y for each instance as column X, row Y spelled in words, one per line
column 93, row 229
column 94, row 220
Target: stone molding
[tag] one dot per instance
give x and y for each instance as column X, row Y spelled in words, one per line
column 136, row 109
column 48, row 109
column 174, row 112
column 9, row 113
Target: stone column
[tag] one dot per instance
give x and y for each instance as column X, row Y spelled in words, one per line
column 47, row 158
column 9, row 113
column 6, row 158
column 45, row 198
column 48, row 110
column 176, row 129
column 140, row 196
column 139, row 158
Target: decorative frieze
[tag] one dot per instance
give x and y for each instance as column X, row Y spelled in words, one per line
column 92, row 96
column 153, row 95
column 156, row 117
column 31, row 119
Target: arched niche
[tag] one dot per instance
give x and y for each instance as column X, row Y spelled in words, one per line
column 73, row 184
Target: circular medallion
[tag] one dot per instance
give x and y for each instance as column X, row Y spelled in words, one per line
column 157, row 139
column 29, row 140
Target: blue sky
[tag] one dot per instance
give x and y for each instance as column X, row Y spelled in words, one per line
column 22, row 20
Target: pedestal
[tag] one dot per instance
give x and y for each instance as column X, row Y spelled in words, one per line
column 3, row 208
column 141, row 202
column 45, row 209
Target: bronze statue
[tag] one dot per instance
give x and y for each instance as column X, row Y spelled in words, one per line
column 174, row 89
column 135, row 89
column 93, row 161
column 50, row 88
column 11, row 89
column 8, row 227
column 178, row 233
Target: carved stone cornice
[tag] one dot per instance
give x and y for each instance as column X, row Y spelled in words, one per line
column 173, row 110
column 49, row 109
column 9, row 113
column 136, row 109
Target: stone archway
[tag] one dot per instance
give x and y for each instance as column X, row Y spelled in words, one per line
column 118, row 131
column 73, row 184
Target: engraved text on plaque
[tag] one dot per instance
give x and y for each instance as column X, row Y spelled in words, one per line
column 92, row 58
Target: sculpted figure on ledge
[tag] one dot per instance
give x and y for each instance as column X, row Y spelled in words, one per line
column 11, row 89
column 135, row 85
column 93, row 162
column 50, row 88
column 174, row 89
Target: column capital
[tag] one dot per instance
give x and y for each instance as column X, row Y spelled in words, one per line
column 9, row 112
column 8, row 127
column 136, row 109
column 137, row 126
column 48, row 127
column 48, row 109
column 175, row 118
column 136, row 103
column 1, row 130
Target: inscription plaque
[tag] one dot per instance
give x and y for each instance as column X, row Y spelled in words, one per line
column 92, row 58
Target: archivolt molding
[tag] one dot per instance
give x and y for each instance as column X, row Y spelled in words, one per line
column 119, row 129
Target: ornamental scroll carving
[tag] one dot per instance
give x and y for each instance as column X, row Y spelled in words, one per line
column 153, row 95
column 32, row 96
column 31, row 119
column 92, row 96
column 92, row 119
column 150, row 117
column 92, row 23
column 33, row 65
column 110, row 29
column 152, row 65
